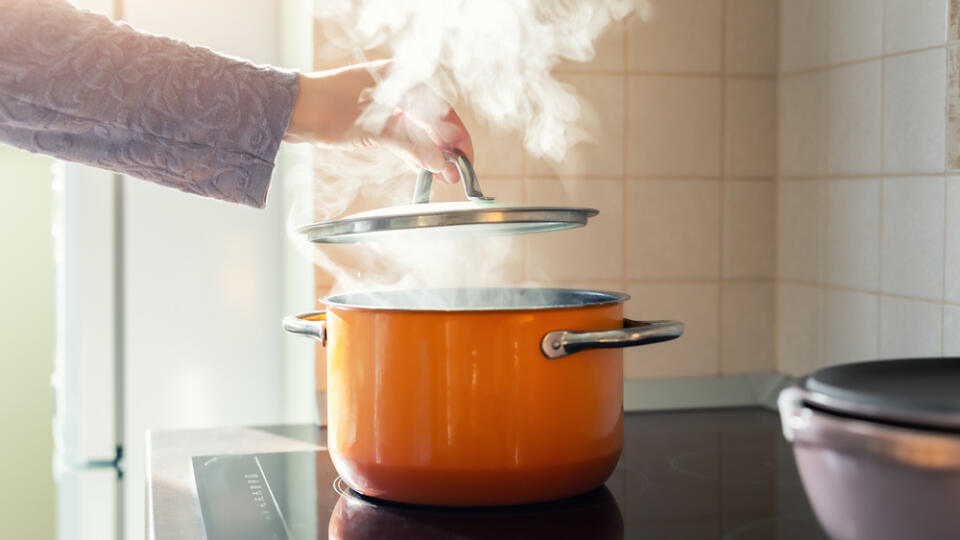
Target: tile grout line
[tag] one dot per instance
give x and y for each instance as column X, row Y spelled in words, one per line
column 946, row 117
column 946, row 166
column 664, row 73
column 879, row 294
column 776, row 203
column 825, row 202
column 637, row 177
column 701, row 281
column 865, row 176
column 625, row 188
column 700, row 177
column 883, row 164
column 828, row 66
column 721, row 335
column 625, row 149
column 943, row 276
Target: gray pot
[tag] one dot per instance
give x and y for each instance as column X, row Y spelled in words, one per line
column 877, row 445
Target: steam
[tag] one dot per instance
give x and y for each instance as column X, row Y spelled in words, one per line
column 497, row 54
column 494, row 56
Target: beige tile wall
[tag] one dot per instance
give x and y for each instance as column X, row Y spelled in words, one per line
column 683, row 113
column 869, row 253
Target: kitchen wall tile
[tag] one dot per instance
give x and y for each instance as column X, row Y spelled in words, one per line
column 952, row 266
column 953, row 32
column 751, row 36
column 601, row 117
column 953, row 107
column 914, row 121
column 680, row 35
column 951, row 331
column 674, row 125
column 853, row 323
column 855, row 29
column 596, row 249
column 747, row 328
column 799, row 329
column 912, row 24
column 750, row 138
column 803, row 32
column 913, row 233
column 496, row 150
column 853, row 233
column 802, row 124
column 749, row 229
column 908, row 328
column 694, row 353
column 611, row 286
column 672, row 229
column 332, row 47
column 854, row 134
column 801, row 232
column 608, row 52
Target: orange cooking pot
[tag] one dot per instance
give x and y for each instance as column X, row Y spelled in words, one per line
column 476, row 397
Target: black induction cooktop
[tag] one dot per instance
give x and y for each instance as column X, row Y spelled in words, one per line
column 724, row 474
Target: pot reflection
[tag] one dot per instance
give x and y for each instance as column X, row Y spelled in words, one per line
column 592, row 515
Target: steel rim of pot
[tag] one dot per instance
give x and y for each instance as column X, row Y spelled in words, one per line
column 482, row 299
column 916, row 447
column 850, row 389
column 554, row 344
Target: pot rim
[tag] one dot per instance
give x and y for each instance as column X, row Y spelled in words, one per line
column 485, row 299
column 924, row 448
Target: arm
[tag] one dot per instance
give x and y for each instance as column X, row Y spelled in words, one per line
column 75, row 85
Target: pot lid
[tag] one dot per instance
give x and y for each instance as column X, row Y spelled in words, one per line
column 915, row 392
column 479, row 215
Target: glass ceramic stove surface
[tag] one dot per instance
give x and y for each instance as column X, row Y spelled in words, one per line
column 724, row 474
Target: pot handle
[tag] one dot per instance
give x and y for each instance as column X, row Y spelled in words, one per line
column 313, row 324
column 560, row 343
column 471, row 188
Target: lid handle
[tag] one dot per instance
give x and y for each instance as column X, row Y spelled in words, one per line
column 471, row 188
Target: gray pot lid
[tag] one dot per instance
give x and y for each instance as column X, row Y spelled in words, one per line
column 915, row 392
column 477, row 216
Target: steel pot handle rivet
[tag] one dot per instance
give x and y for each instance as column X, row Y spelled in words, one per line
column 560, row 343
column 312, row 324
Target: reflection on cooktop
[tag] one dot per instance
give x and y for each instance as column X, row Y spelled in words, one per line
column 706, row 474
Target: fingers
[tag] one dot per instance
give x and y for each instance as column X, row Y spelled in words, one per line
column 453, row 136
column 420, row 129
column 425, row 145
column 413, row 144
column 457, row 137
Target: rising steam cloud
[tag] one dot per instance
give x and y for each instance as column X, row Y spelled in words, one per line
column 495, row 56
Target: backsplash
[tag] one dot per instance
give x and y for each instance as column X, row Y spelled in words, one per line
column 869, row 126
column 682, row 111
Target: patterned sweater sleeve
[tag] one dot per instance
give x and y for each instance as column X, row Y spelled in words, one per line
column 75, row 85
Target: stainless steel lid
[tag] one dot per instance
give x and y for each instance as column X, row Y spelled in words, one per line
column 478, row 216
column 915, row 392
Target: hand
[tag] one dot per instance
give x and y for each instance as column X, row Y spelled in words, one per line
column 335, row 107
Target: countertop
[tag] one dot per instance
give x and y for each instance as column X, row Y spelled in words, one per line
column 173, row 511
column 714, row 473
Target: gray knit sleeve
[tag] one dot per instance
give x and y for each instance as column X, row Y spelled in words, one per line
column 80, row 87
